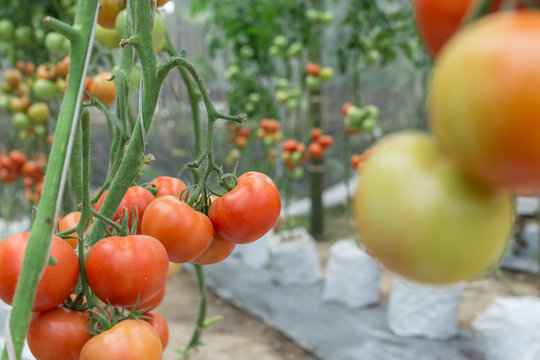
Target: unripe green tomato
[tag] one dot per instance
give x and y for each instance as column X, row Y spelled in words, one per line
column 66, row 46
column 372, row 57
column 231, row 72
column 21, row 121
column 296, row 157
column 23, row 35
column 268, row 140
column 121, row 24
column 368, row 125
column 44, row 89
column 6, row 29
column 292, row 103
column 22, row 134
column 353, row 123
column 107, row 38
column 312, row 15
column 372, row 111
column 274, row 51
column 326, row 17
column 313, row 82
column 5, row 102
column 356, row 114
column 38, row 112
column 297, row 173
column 54, row 42
column 282, row 83
column 295, row 92
column 40, row 130
column 6, row 88
column 327, row 73
column 248, row 72
column 282, row 96
column 280, row 41
column 135, row 76
column 39, row 35
column 246, row 52
column 61, row 85
column 158, row 33
column 295, row 50
column 250, row 107
column 254, row 97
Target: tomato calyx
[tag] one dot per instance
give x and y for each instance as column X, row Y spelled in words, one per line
column 104, row 316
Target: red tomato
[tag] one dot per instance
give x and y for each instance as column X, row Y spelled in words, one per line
column 137, row 198
column 326, row 141
column 184, row 232
column 154, row 301
column 102, row 88
column 316, row 133
column 167, row 185
column 218, row 251
column 160, row 325
column 129, row 339
column 345, row 108
column 488, row 117
column 316, row 151
column 58, row 334
column 248, row 211
column 122, row 270
column 313, row 69
column 56, row 283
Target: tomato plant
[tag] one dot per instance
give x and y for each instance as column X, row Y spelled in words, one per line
column 247, row 212
column 127, row 269
column 129, row 339
column 184, row 232
column 487, row 117
column 58, row 334
column 425, row 220
column 57, row 282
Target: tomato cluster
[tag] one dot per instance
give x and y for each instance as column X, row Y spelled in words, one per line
column 358, row 161
column 269, row 131
column 315, row 74
column 16, row 164
column 359, row 119
column 319, row 143
column 294, row 155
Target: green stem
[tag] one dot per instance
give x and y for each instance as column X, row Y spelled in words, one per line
column 37, row 250
column 195, row 340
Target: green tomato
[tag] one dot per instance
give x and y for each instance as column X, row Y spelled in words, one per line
column 368, row 125
column 21, row 121
column 372, row 111
column 372, row 57
column 231, row 72
column 326, row 17
column 274, row 51
column 44, row 89
column 282, row 96
column 313, row 82
column 250, row 107
column 280, row 42
column 297, row 173
column 38, row 112
column 295, row 50
column 312, row 15
column 295, row 92
column 356, row 114
column 327, row 73
column 296, row 157
column 282, row 83
column 23, row 35
column 107, row 38
column 158, row 33
column 135, row 76
column 6, row 29
column 40, row 130
column 54, row 42
column 246, row 52
column 5, row 102
column 121, row 24
column 254, row 97
column 292, row 103
column 423, row 219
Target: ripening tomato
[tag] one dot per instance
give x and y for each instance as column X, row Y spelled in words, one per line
column 313, row 69
column 58, row 334
column 218, row 251
column 123, row 269
column 425, row 220
column 184, row 232
column 326, row 141
column 69, row 222
column 56, row 283
column 248, row 211
column 107, row 38
column 488, row 117
column 108, row 10
column 129, row 339
column 159, row 324
column 102, row 88
column 134, row 202
column 316, row 151
column 167, row 185
column 63, row 66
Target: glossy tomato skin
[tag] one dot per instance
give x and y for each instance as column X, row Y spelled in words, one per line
column 160, row 325
column 423, row 218
column 69, row 222
column 129, row 339
column 184, row 232
column 122, row 270
column 57, row 282
column 167, row 185
column 58, row 334
column 153, row 302
column 137, row 198
column 108, row 10
column 219, row 250
column 488, row 116
column 103, row 88
column 248, row 211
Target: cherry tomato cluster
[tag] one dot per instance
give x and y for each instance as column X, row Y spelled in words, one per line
column 239, row 136
column 286, row 94
column 294, row 155
column 16, row 164
column 316, row 74
column 319, row 143
column 269, row 131
column 359, row 119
